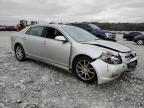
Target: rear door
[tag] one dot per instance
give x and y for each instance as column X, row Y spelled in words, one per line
column 33, row 41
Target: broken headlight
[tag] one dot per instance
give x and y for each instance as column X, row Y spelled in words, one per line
column 110, row 58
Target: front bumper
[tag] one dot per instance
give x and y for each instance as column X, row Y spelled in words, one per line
column 108, row 72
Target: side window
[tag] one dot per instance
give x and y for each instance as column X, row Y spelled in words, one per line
column 83, row 26
column 36, row 31
column 137, row 33
column 77, row 25
column 86, row 27
column 52, row 33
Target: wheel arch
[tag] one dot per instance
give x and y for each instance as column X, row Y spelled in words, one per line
column 80, row 55
column 83, row 55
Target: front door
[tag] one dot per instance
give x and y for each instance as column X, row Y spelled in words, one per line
column 54, row 50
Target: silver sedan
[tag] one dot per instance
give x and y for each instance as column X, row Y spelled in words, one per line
column 74, row 49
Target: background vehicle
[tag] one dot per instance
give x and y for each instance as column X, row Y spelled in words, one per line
column 21, row 25
column 24, row 23
column 34, row 22
column 72, row 48
column 95, row 30
column 139, row 39
column 7, row 28
column 129, row 36
column 2, row 28
column 10, row 28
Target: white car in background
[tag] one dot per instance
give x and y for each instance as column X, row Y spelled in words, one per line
column 2, row 28
column 74, row 49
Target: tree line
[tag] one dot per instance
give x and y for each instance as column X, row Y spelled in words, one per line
column 120, row 26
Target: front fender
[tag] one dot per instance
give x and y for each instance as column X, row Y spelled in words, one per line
column 93, row 52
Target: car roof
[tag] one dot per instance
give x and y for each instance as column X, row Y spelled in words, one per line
column 45, row 25
column 51, row 25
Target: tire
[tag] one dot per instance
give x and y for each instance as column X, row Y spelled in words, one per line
column 83, row 70
column 140, row 42
column 19, row 53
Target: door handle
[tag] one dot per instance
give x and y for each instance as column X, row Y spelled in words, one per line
column 44, row 42
column 24, row 38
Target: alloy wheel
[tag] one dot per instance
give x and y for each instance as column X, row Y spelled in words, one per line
column 140, row 42
column 19, row 53
column 85, row 70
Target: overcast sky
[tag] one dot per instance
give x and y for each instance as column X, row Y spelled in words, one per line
column 12, row 11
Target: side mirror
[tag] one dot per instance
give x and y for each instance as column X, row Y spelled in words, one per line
column 61, row 38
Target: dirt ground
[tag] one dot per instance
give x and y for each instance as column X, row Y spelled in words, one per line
column 32, row 84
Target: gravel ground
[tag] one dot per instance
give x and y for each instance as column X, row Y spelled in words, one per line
column 32, row 84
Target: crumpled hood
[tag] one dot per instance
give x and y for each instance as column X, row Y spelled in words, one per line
column 109, row 45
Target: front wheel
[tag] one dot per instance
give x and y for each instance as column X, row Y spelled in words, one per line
column 83, row 70
column 19, row 53
column 140, row 42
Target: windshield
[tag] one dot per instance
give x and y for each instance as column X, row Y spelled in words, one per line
column 79, row 34
column 94, row 26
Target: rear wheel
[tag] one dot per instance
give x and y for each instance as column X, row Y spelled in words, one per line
column 83, row 70
column 140, row 42
column 19, row 53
